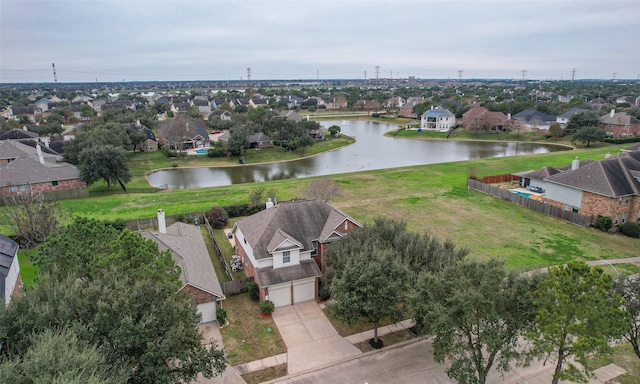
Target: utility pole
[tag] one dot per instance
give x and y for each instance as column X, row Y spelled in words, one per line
column 249, row 75
column 524, row 73
column 573, row 74
column 55, row 77
column 318, row 74
column 459, row 75
column 365, row 75
column 377, row 73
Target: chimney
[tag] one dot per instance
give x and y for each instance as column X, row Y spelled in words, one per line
column 575, row 164
column 613, row 112
column 39, row 151
column 162, row 224
column 269, row 203
column 508, row 116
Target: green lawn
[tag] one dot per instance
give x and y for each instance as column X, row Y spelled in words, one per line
column 27, row 270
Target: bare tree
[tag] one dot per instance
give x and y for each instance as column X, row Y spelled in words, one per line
column 322, row 189
column 31, row 217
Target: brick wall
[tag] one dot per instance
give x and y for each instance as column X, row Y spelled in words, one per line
column 48, row 187
column 249, row 269
column 197, row 295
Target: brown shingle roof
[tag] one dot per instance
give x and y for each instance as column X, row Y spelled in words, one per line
column 190, row 254
column 613, row 177
column 270, row 276
column 303, row 221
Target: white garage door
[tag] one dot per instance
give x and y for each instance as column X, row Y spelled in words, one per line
column 208, row 311
column 280, row 295
column 304, row 291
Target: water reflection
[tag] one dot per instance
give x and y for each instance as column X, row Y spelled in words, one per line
column 372, row 150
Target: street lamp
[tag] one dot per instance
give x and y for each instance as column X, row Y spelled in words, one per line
column 612, row 266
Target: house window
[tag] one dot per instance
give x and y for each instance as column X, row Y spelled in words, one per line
column 286, row 257
column 620, row 201
column 624, row 217
column 617, row 219
column 13, row 188
column 54, row 183
column 315, row 248
column 626, row 201
column 24, row 187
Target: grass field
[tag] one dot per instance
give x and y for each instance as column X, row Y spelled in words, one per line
column 431, row 198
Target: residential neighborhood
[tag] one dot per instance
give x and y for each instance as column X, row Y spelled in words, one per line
column 284, row 245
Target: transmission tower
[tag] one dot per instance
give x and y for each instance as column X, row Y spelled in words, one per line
column 249, row 76
column 377, row 73
column 614, row 75
column 459, row 75
column 55, row 77
column 573, row 74
column 524, row 73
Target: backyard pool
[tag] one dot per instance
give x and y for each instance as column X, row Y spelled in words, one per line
column 201, row 151
column 527, row 195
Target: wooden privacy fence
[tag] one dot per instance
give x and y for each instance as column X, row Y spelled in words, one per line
column 235, row 287
column 500, row 179
column 225, row 265
column 534, row 205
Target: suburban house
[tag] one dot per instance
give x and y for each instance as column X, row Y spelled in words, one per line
column 481, row 118
column 406, row 110
column 337, row 102
column 394, row 102
column 9, row 269
column 620, row 124
column 219, row 114
column 260, row 140
column 186, row 131
column 293, row 100
column 438, row 119
column 258, row 102
column 564, row 118
column 189, row 251
column 150, row 143
column 284, row 247
column 203, row 105
column 530, row 119
column 609, row 187
column 370, row 105
column 37, row 169
column 291, row 115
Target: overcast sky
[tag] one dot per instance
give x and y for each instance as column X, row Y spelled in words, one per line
column 218, row 40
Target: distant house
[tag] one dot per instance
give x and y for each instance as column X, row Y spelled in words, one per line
column 369, row 105
column 609, row 187
column 284, row 247
column 260, row 140
column 337, row 102
column 189, row 251
column 394, row 102
column 25, row 168
column 620, row 124
column 291, row 115
column 564, row 118
column 203, row 105
column 183, row 131
column 407, row 108
column 293, row 100
column 150, row 144
column 481, row 118
column 258, row 102
column 438, row 119
column 219, row 114
column 10, row 281
column 530, row 119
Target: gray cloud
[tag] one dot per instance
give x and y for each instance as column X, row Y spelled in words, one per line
column 217, row 40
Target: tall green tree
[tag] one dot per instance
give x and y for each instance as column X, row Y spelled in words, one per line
column 107, row 163
column 139, row 324
column 85, row 248
column 588, row 135
column 578, row 314
column 60, row 356
column 477, row 312
column 629, row 289
column 419, row 252
column 581, row 120
column 372, row 286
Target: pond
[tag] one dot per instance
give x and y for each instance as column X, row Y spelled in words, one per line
column 372, row 150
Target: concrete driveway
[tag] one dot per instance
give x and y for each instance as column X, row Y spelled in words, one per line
column 230, row 375
column 311, row 340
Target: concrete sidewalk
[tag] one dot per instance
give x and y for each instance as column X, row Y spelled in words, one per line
column 273, row 361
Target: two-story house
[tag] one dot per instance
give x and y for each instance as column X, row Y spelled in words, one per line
column 9, row 269
column 284, row 247
column 620, row 124
column 438, row 119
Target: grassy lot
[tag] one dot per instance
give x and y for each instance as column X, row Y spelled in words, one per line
column 247, row 337
column 27, row 269
column 431, row 198
column 624, row 357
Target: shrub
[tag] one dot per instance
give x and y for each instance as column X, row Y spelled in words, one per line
column 221, row 316
column 254, row 293
column 217, row 151
column 630, row 229
column 267, row 307
column 375, row 115
column 603, row 223
column 323, row 293
column 180, row 217
column 218, row 217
